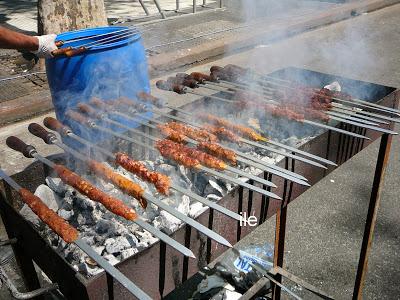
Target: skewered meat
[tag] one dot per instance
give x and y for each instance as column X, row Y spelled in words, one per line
column 160, row 181
column 218, row 151
column 189, row 82
column 112, row 204
column 172, row 134
column 189, row 157
column 243, row 130
column 223, row 133
column 168, row 86
column 193, row 133
column 126, row 185
column 146, row 97
column 68, row 233
column 173, row 151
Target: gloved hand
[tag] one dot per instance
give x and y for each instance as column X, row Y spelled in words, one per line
column 46, row 45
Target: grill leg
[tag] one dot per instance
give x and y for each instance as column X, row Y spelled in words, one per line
column 381, row 164
column 24, row 262
column 280, row 232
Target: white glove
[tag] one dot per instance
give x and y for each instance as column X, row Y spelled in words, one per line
column 46, row 45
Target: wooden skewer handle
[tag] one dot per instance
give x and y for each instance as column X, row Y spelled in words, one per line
column 75, row 51
column 78, row 117
column 88, row 110
column 16, row 144
column 55, row 125
column 59, row 43
column 61, row 51
column 37, row 130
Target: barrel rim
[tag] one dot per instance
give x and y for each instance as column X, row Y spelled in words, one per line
column 80, row 33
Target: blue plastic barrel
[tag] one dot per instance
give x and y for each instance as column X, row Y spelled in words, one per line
column 114, row 66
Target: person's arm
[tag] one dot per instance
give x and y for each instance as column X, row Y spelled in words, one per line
column 42, row 46
column 19, row 41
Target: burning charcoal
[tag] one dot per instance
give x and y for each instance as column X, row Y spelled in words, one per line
column 216, row 186
column 99, row 249
column 184, row 205
column 56, row 185
column 145, row 239
column 291, row 141
column 184, row 172
column 85, row 203
column 165, row 169
column 213, row 197
column 196, row 209
column 132, row 240
column 166, row 222
column 84, row 268
column 103, row 226
column 128, row 253
column 116, row 245
column 89, row 239
column 111, row 259
column 65, row 214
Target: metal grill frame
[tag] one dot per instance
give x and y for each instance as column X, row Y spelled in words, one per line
column 171, row 269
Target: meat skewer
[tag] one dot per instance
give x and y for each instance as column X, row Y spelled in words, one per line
column 224, row 134
column 293, row 114
column 231, row 137
column 217, row 150
column 91, row 124
column 204, row 158
column 148, row 197
column 232, row 71
column 224, row 152
column 85, row 188
column 126, row 163
column 69, row 234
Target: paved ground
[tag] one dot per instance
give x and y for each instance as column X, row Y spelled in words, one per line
column 326, row 223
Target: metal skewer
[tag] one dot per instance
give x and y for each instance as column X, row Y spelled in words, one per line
column 349, row 120
column 305, row 121
column 331, row 112
column 92, row 124
column 91, row 111
column 115, row 273
column 65, row 131
column 256, row 144
column 274, row 169
column 268, row 80
column 367, row 113
column 162, row 236
column 238, row 158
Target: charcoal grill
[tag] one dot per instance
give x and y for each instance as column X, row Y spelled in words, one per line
column 159, row 269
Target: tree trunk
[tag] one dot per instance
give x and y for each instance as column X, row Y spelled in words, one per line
column 56, row 16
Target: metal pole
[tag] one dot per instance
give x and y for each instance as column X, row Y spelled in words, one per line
column 280, row 233
column 381, row 165
column 220, row 3
column 204, row 3
column 144, row 7
column 177, row 6
column 194, row 6
column 159, row 9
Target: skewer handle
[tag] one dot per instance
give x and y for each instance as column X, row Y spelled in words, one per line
column 78, row 117
column 59, row 43
column 60, row 52
column 75, row 51
column 55, row 125
column 88, row 110
column 37, row 130
column 150, row 98
column 16, row 144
